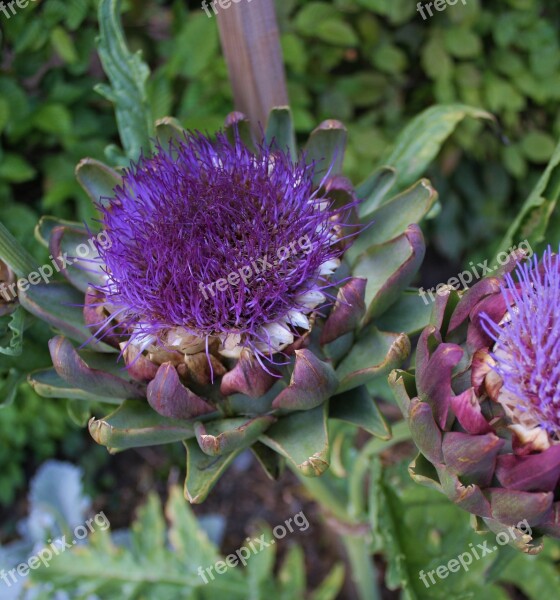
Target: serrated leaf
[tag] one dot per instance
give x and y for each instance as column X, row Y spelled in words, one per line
column 13, row 346
column 128, row 75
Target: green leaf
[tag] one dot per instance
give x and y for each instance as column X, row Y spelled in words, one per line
column 98, row 180
column 59, row 304
column 292, row 575
column 169, row 130
column 79, row 412
column 532, row 220
column 312, row 13
column 260, row 568
column 532, row 575
column 13, row 345
column 9, row 387
column 331, row 585
column 220, row 437
column 389, row 58
column 462, row 42
column 14, row 254
column 128, row 75
column 47, row 383
column 389, row 269
column 392, row 218
column 134, row 424
column 64, row 45
column 359, row 408
column 195, row 47
column 15, row 169
column 375, row 354
column 93, row 372
column 409, row 314
column 373, row 191
column 336, row 32
column 154, row 565
column 280, row 128
column 326, row 146
column 419, row 143
column 203, row 471
column 309, row 452
column 45, row 226
column 53, row 118
column 538, row 146
column 4, row 113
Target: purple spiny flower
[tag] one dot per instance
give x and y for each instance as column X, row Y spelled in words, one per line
column 527, row 349
column 211, row 242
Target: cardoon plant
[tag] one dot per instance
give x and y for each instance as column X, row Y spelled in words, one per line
column 484, row 405
column 233, row 293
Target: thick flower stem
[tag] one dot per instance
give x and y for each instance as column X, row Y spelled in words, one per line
column 251, row 45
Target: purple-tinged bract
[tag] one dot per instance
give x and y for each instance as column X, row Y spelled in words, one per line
column 221, row 243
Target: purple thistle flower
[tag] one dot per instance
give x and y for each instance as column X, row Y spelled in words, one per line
column 527, row 346
column 211, row 242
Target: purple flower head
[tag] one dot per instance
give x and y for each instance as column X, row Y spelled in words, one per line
column 211, row 242
column 527, row 346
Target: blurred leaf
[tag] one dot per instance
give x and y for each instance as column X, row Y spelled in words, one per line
column 538, row 146
column 335, row 32
column 15, row 169
column 53, row 118
column 64, row 45
column 195, row 47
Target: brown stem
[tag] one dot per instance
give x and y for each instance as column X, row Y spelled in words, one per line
column 251, row 46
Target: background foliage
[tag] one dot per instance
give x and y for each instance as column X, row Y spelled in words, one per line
column 373, row 64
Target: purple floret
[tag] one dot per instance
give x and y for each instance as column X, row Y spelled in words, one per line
column 527, row 348
column 195, row 213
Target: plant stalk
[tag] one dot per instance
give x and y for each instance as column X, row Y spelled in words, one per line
column 251, row 46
